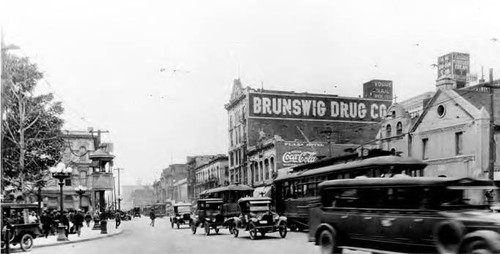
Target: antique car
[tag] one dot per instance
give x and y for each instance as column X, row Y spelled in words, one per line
column 405, row 214
column 136, row 211
column 256, row 216
column 181, row 215
column 21, row 231
column 209, row 215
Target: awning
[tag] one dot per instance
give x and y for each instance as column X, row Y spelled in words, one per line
column 263, row 191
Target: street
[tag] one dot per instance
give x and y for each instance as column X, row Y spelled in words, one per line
column 139, row 237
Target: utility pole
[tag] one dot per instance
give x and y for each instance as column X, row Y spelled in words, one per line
column 119, row 196
column 492, row 154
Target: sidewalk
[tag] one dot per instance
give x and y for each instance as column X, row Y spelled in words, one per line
column 87, row 234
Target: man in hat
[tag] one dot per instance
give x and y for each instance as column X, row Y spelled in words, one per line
column 78, row 220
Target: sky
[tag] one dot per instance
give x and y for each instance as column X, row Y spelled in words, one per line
column 156, row 74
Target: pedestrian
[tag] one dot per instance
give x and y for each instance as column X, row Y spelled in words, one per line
column 65, row 222
column 152, row 216
column 46, row 220
column 118, row 219
column 78, row 220
column 88, row 218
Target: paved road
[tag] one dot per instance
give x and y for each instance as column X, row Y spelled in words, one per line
column 139, row 237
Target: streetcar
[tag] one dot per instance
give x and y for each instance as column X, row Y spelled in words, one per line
column 230, row 195
column 295, row 192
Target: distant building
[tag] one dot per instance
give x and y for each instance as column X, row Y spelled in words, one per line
column 180, row 191
column 143, row 197
column 169, row 176
column 127, row 194
column 453, row 71
column 193, row 162
column 212, row 174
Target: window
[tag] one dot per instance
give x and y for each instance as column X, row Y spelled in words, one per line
column 399, row 128
column 261, row 169
column 83, row 178
column 266, row 170
column 441, row 111
column 425, row 141
column 67, row 182
column 458, row 143
column 388, row 130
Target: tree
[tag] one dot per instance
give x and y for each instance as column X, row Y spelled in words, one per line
column 31, row 127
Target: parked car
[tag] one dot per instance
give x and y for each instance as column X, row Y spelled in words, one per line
column 210, row 215
column 182, row 215
column 125, row 216
column 21, row 231
column 405, row 214
column 256, row 216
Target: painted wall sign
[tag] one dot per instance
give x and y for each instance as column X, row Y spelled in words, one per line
column 378, row 89
column 297, row 157
column 316, row 107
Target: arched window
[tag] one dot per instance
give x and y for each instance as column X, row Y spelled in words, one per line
column 388, row 130
column 266, row 169
column 261, row 169
column 271, row 165
column 399, row 128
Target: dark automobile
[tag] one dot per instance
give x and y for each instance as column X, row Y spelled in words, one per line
column 182, row 215
column 256, row 216
column 21, row 231
column 209, row 215
column 125, row 216
column 136, row 211
column 405, row 214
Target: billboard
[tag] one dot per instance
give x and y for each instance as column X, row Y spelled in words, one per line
column 454, row 66
column 378, row 89
column 316, row 107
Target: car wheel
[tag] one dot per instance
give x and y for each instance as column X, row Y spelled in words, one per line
column 327, row 242
column 478, row 247
column 193, row 228
column 26, row 242
column 448, row 235
column 252, row 230
column 235, row 232
column 207, row 228
column 216, row 229
column 263, row 233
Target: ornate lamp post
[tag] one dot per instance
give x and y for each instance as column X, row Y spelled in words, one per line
column 61, row 172
column 80, row 190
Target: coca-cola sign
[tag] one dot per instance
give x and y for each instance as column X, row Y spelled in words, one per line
column 298, row 157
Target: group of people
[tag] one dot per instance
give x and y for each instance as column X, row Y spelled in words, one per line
column 72, row 221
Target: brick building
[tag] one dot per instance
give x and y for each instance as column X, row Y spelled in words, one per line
column 256, row 115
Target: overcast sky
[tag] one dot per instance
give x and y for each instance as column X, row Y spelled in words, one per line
column 156, row 74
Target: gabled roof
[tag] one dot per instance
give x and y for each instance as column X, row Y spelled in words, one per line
column 470, row 101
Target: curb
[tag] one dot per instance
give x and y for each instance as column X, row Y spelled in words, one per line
column 78, row 240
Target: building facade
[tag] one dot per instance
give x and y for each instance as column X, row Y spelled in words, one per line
column 256, row 115
column 92, row 164
column 169, row 176
column 213, row 174
column 194, row 162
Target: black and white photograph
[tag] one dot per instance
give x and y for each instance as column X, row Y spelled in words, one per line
column 250, row 126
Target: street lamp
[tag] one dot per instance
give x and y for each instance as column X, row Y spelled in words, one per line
column 80, row 190
column 61, row 172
